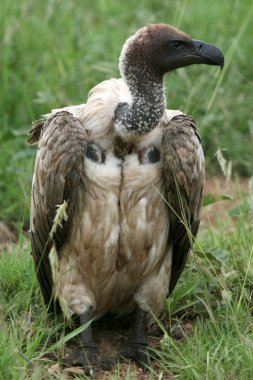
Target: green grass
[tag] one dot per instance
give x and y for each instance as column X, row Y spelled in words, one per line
column 53, row 52
column 214, row 296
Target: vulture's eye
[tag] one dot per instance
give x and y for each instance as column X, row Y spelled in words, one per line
column 177, row 44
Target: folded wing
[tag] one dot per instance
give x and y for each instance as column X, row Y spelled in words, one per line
column 184, row 178
column 58, row 177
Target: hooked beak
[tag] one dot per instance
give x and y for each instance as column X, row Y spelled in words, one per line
column 207, row 53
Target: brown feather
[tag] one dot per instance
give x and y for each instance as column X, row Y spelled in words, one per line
column 58, row 174
column 184, row 177
column 34, row 133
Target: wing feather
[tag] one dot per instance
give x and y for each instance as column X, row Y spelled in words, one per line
column 58, row 177
column 184, row 175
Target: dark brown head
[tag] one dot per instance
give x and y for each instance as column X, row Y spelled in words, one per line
column 161, row 48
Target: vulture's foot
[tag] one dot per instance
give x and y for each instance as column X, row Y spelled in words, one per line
column 136, row 348
column 137, row 352
column 88, row 358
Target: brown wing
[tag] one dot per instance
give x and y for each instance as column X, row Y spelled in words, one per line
column 58, row 177
column 184, row 174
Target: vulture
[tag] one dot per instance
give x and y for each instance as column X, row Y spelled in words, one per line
column 117, row 192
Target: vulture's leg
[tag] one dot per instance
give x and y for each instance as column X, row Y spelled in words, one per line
column 136, row 347
column 88, row 355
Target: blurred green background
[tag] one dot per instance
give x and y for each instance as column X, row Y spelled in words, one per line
column 53, row 51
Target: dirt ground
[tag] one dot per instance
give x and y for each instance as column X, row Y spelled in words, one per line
column 219, row 210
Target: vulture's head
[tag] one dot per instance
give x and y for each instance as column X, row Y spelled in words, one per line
column 161, row 48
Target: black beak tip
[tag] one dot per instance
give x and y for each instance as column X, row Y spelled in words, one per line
column 215, row 56
column 208, row 53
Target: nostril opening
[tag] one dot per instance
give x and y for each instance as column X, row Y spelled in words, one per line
column 200, row 46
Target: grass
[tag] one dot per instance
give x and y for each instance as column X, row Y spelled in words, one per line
column 52, row 53
column 214, row 297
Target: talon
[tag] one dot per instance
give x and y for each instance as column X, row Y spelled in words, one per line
column 138, row 353
column 86, row 358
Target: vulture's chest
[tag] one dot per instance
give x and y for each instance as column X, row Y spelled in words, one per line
column 119, row 241
column 124, row 224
